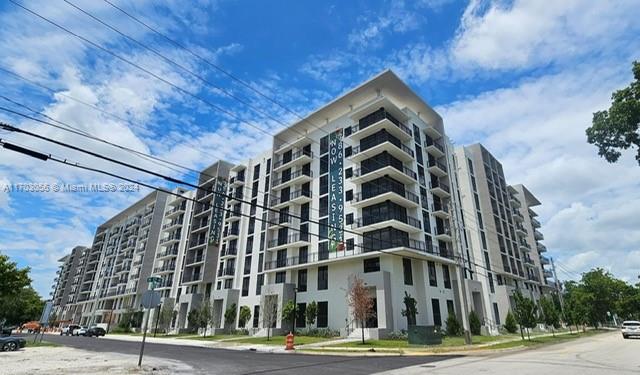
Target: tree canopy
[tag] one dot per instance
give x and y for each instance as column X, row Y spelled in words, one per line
column 19, row 302
column 618, row 128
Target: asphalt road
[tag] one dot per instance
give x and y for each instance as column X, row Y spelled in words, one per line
column 222, row 361
column 606, row 353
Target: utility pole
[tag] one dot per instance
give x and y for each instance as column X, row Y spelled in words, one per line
column 557, row 282
column 461, row 278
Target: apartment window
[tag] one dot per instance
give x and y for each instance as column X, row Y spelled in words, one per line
column 350, row 244
column 245, row 286
column 348, row 151
column 256, row 316
column 256, row 172
column 371, row 265
column 323, row 279
column 304, row 212
column 281, row 277
column 324, row 164
column 259, row 283
column 483, row 237
column 247, row 265
column 435, row 306
column 323, row 228
column 324, row 145
column 433, row 278
column 323, row 314
column 323, row 250
column 249, row 248
column 324, row 184
column 496, row 313
column 324, row 206
column 300, row 315
column 302, row 280
column 252, row 225
column 450, row 308
column 446, row 275
column 348, row 173
column 408, row 271
column 349, row 219
column 348, row 195
column 419, row 155
column 254, row 189
column 303, row 255
column 260, row 261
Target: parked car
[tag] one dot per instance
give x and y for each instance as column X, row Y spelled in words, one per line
column 68, row 330
column 95, row 331
column 80, row 331
column 11, row 343
column 630, row 328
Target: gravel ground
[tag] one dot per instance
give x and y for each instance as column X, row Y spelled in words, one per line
column 65, row 360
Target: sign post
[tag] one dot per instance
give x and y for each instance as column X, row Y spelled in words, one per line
column 150, row 299
column 44, row 319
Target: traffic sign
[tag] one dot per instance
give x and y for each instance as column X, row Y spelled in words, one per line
column 150, row 299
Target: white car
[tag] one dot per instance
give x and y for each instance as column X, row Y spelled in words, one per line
column 79, row 331
column 630, row 328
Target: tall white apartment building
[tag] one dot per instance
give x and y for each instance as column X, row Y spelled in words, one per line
column 498, row 241
column 67, row 283
column 358, row 188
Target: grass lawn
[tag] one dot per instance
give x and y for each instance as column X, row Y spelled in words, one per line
column 545, row 340
column 31, row 344
column 214, row 337
column 446, row 342
column 280, row 340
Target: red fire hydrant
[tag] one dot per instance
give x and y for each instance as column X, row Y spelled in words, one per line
column 289, row 342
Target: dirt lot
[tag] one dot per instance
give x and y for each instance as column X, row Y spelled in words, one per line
column 64, row 360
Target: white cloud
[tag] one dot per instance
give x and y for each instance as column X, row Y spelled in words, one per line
column 371, row 30
column 527, row 33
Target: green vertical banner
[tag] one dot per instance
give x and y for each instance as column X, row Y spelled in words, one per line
column 336, row 191
column 217, row 212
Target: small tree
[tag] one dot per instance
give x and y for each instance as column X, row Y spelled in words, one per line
column 474, row 323
column 193, row 318
column 311, row 313
column 166, row 315
column 550, row 315
column 510, row 323
column 206, row 316
column 53, row 318
column 230, row 315
column 269, row 311
column 525, row 313
column 245, row 315
column 360, row 302
column 288, row 313
column 410, row 309
column 453, row 326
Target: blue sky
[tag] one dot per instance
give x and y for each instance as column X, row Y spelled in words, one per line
column 523, row 77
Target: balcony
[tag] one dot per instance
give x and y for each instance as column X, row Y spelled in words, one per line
column 547, row 273
column 197, row 242
column 236, row 181
column 395, row 220
column 436, row 167
column 201, row 226
column 297, row 158
column 194, row 259
column 535, row 223
column 236, row 197
column 528, row 261
column 297, row 177
column 191, row 278
column 520, row 230
column 444, row 234
column 402, row 174
column 434, row 147
column 297, row 197
column 541, row 247
column 293, row 240
column 517, row 216
column 378, row 120
column 167, row 253
column 231, row 232
column 233, row 215
column 515, row 202
column 227, row 272
column 172, row 224
column 381, row 143
column 538, row 236
column 229, row 252
column 544, row 260
column 168, row 240
column 381, row 193
column 175, row 211
column 281, row 219
column 440, row 210
column 165, row 268
column 524, row 246
column 440, row 189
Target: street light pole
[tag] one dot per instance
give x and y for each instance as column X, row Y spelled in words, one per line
column 295, row 309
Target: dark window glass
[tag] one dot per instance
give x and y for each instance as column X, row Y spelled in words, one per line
column 323, row 314
column 303, row 255
column 247, row 265
column 324, row 206
column 256, row 172
column 324, row 164
column 323, row 250
column 349, row 219
column 245, row 286
column 348, row 173
column 433, row 278
column 323, row 230
column 450, row 307
column 371, row 265
column 281, row 277
column 256, row 314
column 304, row 212
column 260, row 261
column 300, row 315
column 324, row 184
column 348, row 195
column 350, row 244
column 324, row 145
column 408, row 271
column 437, row 318
column 323, row 279
column 446, row 275
column 302, row 280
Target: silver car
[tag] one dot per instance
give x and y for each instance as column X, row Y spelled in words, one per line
column 630, row 328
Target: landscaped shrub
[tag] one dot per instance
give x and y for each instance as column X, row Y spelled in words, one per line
column 319, row 332
column 398, row 335
column 453, row 326
column 474, row 323
column 510, row 323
